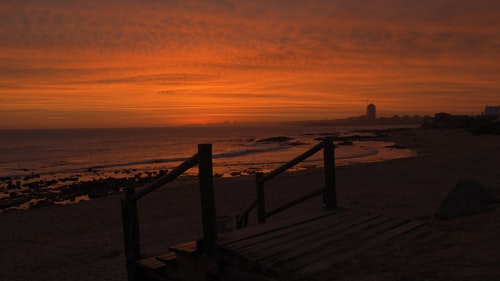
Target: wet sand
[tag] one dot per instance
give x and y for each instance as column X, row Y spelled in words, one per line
column 84, row 241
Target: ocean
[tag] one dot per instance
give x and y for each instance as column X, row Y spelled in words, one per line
column 75, row 155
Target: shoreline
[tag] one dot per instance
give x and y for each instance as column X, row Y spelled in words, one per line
column 84, row 241
column 37, row 190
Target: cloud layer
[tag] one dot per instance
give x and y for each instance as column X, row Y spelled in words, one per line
column 245, row 59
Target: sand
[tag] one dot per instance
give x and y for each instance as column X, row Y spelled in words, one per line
column 84, row 241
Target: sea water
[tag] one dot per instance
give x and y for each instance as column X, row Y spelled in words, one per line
column 235, row 148
column 91, row 154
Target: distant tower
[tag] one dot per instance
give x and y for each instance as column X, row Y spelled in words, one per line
column 371, row 112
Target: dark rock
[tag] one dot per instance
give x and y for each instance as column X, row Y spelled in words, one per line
column 466, row 198
column 275, row 139
column 40, row 184
column 346, row 142
column 396, row 146
column 296, row 143
column 6, row 203
column 47, row 183
column 43, row 203
column 68, row 179
column 32, row 185
column 12, row 185
column 31, row 176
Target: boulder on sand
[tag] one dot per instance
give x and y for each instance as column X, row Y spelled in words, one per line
column 467, row 197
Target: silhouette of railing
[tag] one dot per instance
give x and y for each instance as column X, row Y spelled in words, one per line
column 130, row 213
column 328, row 190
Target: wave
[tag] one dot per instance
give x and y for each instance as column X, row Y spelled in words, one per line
column 239, row 153
column 143, row 162
column 250, row 151
column 231, row 154
column 359, row 154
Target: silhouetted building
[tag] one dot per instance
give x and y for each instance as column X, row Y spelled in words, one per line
column 492, row 110
column 371, row 112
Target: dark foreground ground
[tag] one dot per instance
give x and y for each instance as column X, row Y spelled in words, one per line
column 84, row 241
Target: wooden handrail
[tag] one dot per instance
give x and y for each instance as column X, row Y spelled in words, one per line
column 242, row 219
column 292, row 163
column 130, row 211
column 328, row 191
column 294, row 202
column 177, row 171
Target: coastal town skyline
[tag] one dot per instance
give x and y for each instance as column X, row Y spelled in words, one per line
column 159, row 63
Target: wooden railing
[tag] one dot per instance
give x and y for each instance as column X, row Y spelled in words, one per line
column 328, row 190
column 130, row 213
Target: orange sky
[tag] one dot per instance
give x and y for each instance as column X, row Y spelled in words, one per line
column 128, row 63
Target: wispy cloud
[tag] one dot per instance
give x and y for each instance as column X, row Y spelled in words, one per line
column 335, row 50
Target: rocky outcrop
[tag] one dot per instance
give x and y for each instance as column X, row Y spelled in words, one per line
column 466, row 198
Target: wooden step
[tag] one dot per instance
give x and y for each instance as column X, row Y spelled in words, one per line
column 157, row 262
column 167, row 258
column 190, row 248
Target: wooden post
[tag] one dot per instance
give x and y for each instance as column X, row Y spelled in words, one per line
column 330, row 196
column 261, row 201
column 131, row 235
column 205, row 169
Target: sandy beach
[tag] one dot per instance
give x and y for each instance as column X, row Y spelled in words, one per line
column 84, row 241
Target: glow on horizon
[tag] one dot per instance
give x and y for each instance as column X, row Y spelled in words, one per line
column 129, row 64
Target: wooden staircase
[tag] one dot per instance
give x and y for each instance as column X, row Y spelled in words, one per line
column 300, row 248
column 313, row 244
column 296, row 248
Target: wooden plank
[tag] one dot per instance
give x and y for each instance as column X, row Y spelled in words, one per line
column 304, row 227
column 167, row 258
column 397, row 231
column 422, row 233
column 240, row 234
column 316, row 244
column 355, row 241
column 381, row 228
column 296, row 237
column 323, row 260
column 246, row 233
column 235, row 259
column 338, row 240
column 305, row 247
column 231, row 259
column 151, row 263
column 190, row 248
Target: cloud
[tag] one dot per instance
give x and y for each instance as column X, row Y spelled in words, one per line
column 246, row 52
column 157, row 79
column 166, row 92
column 270, row 33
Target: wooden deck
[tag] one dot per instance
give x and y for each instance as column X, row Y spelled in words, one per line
column 304, row 247
column 310, row 245
column 295, row 249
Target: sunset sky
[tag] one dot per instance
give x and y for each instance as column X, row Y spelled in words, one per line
column 125, row 63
